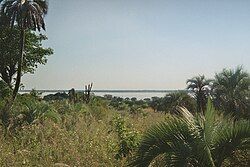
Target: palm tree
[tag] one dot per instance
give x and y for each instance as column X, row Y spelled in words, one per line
column 231, row 91
column 172, row 101
column 27, row 15
column 193, row 140
column 200, row 88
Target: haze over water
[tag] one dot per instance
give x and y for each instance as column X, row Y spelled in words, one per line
column 139, row 94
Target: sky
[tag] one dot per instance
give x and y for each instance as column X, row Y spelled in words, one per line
column 141, row 44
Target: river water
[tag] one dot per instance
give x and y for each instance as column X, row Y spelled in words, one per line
column 139, row 94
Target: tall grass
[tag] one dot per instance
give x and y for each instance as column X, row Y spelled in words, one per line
column 81, row 136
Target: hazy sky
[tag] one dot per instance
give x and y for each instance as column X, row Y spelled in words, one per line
column 141, row 44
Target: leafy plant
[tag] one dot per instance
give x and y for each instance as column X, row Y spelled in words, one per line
column 32, row 109
column 26, row 15
column 35, row 53
column 34, row 93
column 128, row 139
column 193, row 140
column 231, row 91
column 5, row 91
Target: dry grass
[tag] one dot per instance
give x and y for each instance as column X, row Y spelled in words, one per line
column 83, row 137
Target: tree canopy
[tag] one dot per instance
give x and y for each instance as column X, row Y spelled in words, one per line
column 200, row 87
column 25, row 15
column 34, row 52
column 231, row 91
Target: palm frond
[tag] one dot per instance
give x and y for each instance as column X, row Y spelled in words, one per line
column 29, row 15
column 229, row 137
column 176, row 140
column 193, row 140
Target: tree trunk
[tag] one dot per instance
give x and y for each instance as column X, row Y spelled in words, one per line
column 5, row 113
column 20, row 62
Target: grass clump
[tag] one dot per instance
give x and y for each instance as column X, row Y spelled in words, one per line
column 49, row 133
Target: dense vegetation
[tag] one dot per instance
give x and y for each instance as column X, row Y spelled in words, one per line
column 112, row 131
column 57, row 132
column 193, row 140
column 205, row 125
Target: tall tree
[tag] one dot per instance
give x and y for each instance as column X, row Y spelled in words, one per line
column 193, row 140
column 231, row 91
column 26, row 14
column 9, row 53
column 200, row 88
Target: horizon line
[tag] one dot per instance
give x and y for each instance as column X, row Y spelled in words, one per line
column 107, row 90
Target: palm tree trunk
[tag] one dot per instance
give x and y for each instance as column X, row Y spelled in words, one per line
column 20, row 62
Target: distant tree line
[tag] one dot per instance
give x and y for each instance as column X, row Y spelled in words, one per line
column 229, row 92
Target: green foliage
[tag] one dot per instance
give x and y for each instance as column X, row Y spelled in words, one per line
column 5, row 95
column 240, row 158
column 80, row 137
column 34, row 52
column 231, row 91
column 23, row 15
column 31, row 110
column 128, row 139
column 98, row 108
column 193, row 140
column 59, row 132
column 155, row 103
column 5, row 91
column 171, row 102
column 56, row 96
column 200, row 88
column 132, row 105
column 35, row 94
column 116, row 102
column 55, row 131
column 135, row 109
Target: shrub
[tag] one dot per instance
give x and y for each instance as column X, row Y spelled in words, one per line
column 128, row 139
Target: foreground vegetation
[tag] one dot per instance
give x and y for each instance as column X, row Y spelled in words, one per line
column 80, row 129
column 112, row 131
column 193, row 140
column 56, row 133
column 180, row 129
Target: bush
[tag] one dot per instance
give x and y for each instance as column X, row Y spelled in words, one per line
column 5, row 91
column 128, row 139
